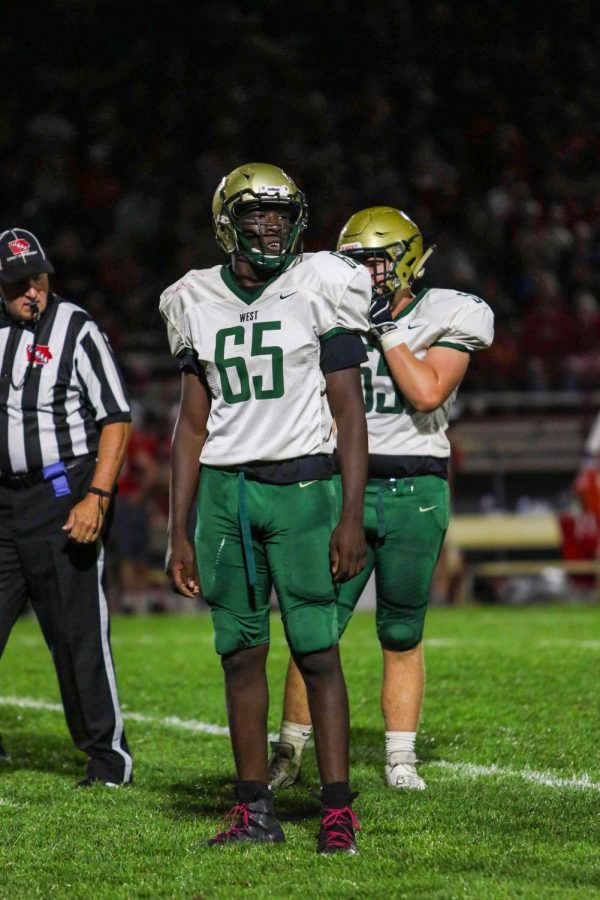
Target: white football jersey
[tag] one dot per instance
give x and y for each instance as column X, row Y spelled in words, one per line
column 435, row 318
column 261, row 353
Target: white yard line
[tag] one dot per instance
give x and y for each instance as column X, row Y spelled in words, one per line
column 169, row 721
column 470, row 770
column 35, row 640
column 460, row 770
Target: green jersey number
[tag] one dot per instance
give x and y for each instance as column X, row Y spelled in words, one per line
column 225, row 363
column 378, row 398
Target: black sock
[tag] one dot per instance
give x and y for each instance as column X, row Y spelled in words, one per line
column 249, row 791
column 337, row 794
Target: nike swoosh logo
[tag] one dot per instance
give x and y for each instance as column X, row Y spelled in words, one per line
column 306, row 483
column 285, row 296
column 420, row 325
column 426, row 508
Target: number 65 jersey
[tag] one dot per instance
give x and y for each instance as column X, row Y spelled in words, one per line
column 260, row 352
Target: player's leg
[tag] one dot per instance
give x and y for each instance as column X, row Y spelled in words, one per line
column 298, row 556
column 403, row 688
column 294, row 732
column 296, row 725
column 416, row 517
column 240, row 614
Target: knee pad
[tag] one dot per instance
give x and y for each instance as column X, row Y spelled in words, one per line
column 233, row 633
column 400, row 634
column 311, row 627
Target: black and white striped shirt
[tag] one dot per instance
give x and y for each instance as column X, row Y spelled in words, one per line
column 53, row 406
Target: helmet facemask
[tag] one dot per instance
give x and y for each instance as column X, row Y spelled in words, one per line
column 250, row 231
column 391, row 266
column 259, row 188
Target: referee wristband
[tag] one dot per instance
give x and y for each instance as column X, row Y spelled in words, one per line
column 96, row 490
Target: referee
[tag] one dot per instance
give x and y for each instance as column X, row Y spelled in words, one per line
column 64, row 427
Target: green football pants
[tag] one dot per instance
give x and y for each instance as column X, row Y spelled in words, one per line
column 251, row 536
column 405, row 523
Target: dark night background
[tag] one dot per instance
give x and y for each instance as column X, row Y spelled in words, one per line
column 480, row 120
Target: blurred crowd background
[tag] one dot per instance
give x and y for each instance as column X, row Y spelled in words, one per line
column 479, row 120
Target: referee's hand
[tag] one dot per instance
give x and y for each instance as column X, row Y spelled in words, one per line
column 86, row 519
column 181, row 569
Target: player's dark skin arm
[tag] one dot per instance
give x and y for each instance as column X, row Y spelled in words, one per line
column 347, row 546
column 188, row 440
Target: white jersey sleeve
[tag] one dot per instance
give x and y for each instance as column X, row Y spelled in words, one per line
column 342, row 292
column 176, row 299
column 472, row 329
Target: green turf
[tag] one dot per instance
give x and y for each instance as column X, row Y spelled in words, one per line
column 515, row 688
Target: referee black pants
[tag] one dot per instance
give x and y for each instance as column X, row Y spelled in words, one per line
column 63, row 581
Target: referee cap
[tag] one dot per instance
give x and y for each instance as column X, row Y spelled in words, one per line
column 21, row 255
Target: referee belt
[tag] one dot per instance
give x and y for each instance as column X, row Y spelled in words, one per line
column 28, row 479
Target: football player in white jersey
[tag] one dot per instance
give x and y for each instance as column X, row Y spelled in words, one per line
column 418, row 353
column 270, row 351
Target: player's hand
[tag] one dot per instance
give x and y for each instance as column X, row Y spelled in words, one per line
column 347, row 551
column 380, row 314
column 181, row 569
column 86, row 519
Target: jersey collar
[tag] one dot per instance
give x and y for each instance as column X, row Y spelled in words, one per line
column 246, row 295
column 412, row 304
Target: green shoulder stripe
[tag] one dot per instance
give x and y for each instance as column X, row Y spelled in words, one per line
column 453, row 346
column 333, row 331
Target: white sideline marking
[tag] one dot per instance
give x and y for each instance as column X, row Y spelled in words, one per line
column 467, row 770
column 34, row 640
column 442, row 642
column 11, row 804
column 582, row 645
column 470, row 770
column 172, row 721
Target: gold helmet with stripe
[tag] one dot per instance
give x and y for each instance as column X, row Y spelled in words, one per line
column 386, row 234
column 256, row 186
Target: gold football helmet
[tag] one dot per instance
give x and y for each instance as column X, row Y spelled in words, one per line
column 387, row 234
column 256, row 186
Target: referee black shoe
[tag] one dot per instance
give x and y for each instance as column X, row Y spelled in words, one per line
column 91, row 781
column 4, row 756
column 250, row 823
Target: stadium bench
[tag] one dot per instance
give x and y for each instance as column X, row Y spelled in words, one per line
column 505, row 533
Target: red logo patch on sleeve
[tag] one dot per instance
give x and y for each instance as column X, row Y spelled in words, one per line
column 42, row 354
column 19, row 245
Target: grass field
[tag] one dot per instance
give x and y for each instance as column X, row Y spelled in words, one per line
column 509, row 743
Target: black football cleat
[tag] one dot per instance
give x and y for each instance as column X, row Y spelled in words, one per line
column 338, row 831
column 250, row 823
column 4, row 756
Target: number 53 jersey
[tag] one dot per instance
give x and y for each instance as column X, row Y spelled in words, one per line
column 435, row 318
column 260, row 352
